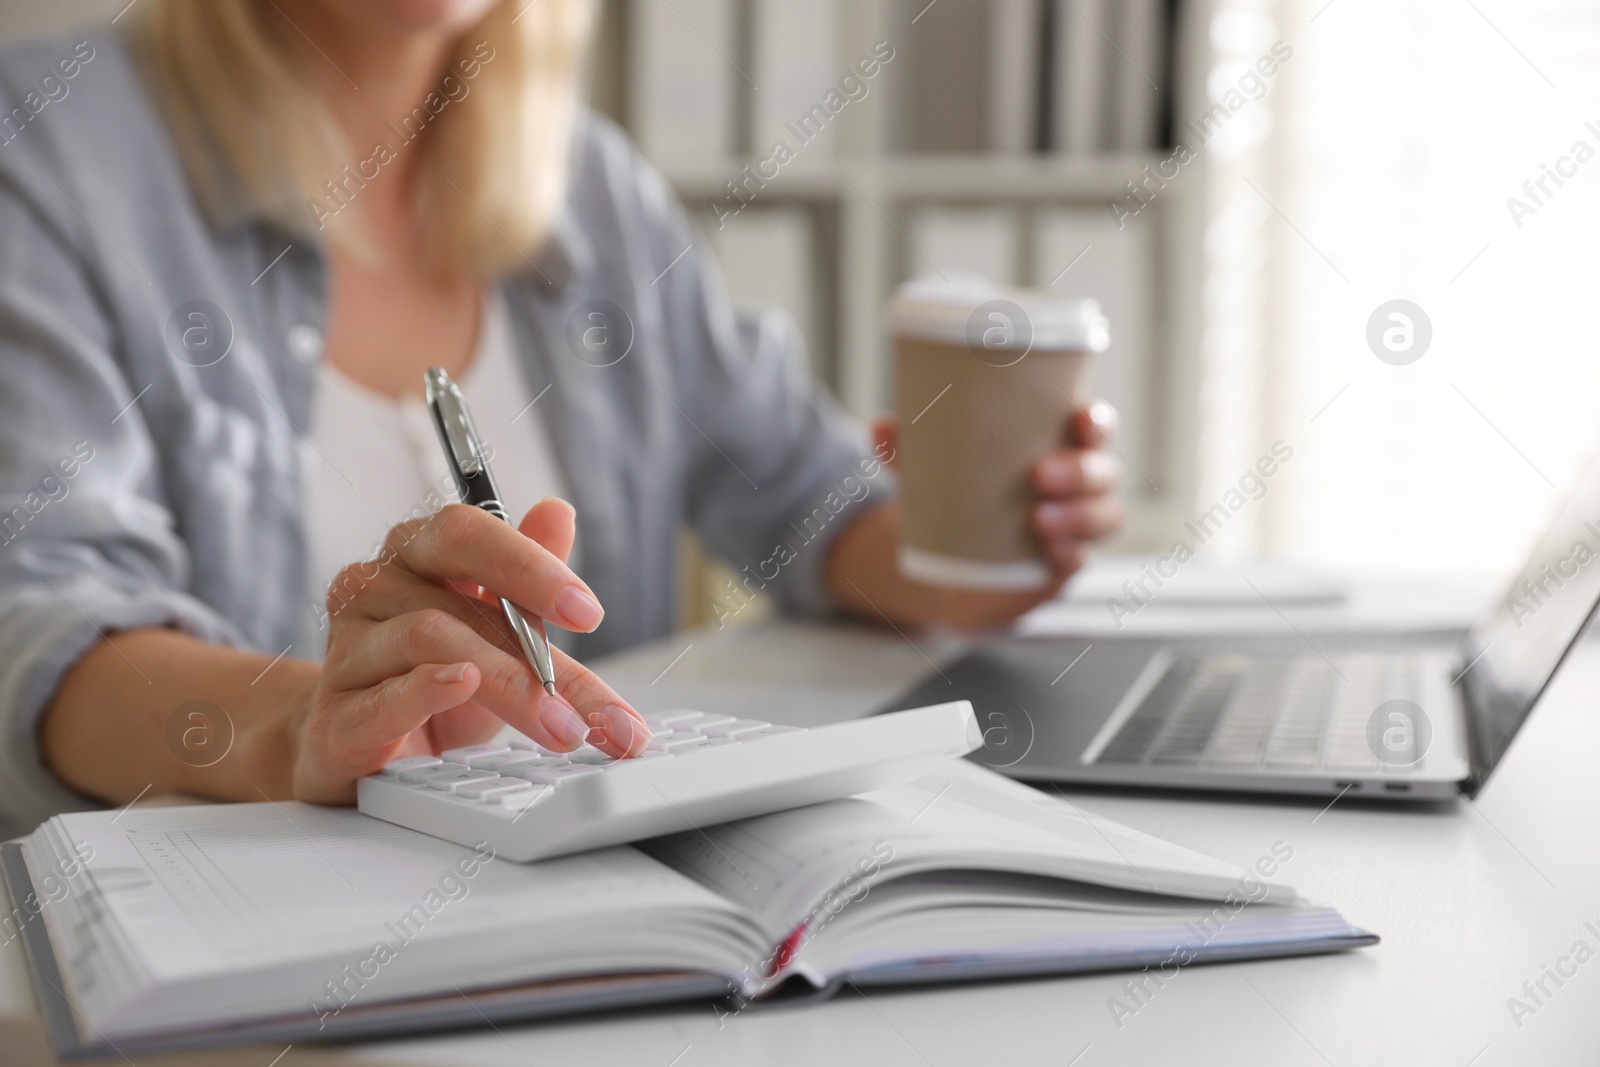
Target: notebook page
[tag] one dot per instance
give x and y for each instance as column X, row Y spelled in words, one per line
column 782, row 866
column 923, row 930
column 243, row 902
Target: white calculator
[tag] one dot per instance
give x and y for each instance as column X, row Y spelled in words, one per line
column 700, row 769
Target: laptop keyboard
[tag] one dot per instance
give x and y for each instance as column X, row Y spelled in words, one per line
column 1294, row 713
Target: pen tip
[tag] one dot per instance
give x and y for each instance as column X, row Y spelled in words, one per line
column 550, row 687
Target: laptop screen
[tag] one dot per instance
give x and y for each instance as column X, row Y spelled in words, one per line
column 1515, row 650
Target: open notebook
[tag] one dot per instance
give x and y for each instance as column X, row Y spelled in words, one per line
column 174, row 927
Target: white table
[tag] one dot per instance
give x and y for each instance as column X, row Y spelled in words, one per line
column 1470, row 899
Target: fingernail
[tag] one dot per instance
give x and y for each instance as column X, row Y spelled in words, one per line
column 450, row 675
column 624, row 727
column 563, row 722
column 1099, row 469
column 578, row 610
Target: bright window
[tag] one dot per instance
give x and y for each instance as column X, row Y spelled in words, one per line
column 1378, row 167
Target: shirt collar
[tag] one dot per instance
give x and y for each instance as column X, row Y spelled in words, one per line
column 565, row 254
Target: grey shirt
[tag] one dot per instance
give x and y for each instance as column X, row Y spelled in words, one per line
column 153, row 463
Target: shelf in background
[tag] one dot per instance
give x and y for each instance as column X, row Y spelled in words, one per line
column 956, row 177
column 935, row 164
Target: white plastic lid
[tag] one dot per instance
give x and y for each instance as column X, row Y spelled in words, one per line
column 953, row 312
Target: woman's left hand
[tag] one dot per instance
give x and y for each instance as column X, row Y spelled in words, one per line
column 1075, row 505
column 1076, row 486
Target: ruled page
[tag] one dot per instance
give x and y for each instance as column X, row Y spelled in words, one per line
column 782, row 865
column 243, row 909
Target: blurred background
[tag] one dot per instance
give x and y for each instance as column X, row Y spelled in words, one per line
column 1244, row 184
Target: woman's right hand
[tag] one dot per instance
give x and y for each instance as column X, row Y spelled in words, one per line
column 421, row 659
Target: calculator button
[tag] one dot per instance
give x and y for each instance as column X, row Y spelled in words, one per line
column 420, row 775
column 552, row 775
column 491, row 789
column 708, row 723
column 464, row 755
column 393, row 768
column 666, row 719
column 699, row 744
column 524, row 768
column 592, row 757
column 500, row 761
column 771, row 730
column 733, row 728
column 675, row 740
column 520, row 743
column 450, row 781
column 658, row 740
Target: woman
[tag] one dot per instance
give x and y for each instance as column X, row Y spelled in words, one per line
column 235, row 240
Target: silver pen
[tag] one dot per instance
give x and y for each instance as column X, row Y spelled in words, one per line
column 469, row 463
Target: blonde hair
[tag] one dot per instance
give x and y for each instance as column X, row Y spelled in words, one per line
column 492, row 172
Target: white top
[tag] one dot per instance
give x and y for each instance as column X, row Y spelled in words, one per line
column 379, row 462
column 965, row 309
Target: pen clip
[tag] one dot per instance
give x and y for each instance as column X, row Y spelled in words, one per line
column 454, row 422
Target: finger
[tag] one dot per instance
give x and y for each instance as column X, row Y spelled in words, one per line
column 364, row 655
column 1066, row 556
column 886, row 439
column 399, row 705
column 377, row 590
column 470, row 590
column 1082, row 518
column 465, row 724
column 595, row 704
column 1075, row 472
column 617, row 729
column 508, row 688
column 402, row 592
column 1095, row 425
column 459, row 543
column 554, row 524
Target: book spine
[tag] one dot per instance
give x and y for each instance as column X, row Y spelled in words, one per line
column 946, row 53
column 1080, row 107
column 795, row 62
column 1013, row 74
column 1139, row 72
column 866, row 26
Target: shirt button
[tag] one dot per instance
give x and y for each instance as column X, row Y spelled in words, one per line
column 305, row 344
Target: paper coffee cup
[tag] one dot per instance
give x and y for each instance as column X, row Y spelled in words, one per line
column 986, row 379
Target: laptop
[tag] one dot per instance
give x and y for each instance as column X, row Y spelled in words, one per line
column 1371, row 715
